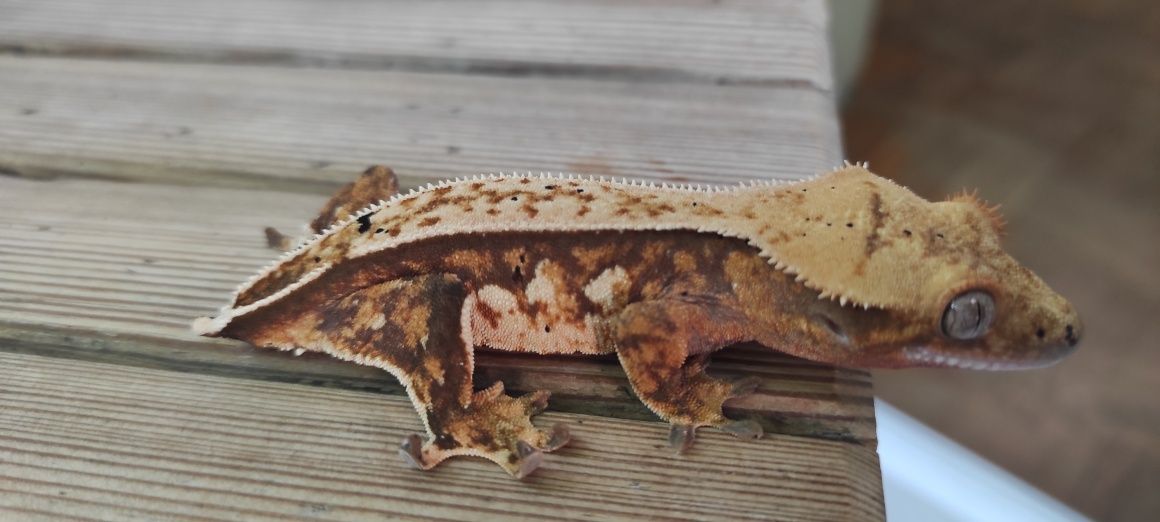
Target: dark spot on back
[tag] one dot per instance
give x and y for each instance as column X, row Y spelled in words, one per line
column 364, row 222
column 426, row 222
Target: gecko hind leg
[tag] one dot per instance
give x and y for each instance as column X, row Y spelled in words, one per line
column 376, row 183
column 664, row 348
column 495, row 426
column 419, row 330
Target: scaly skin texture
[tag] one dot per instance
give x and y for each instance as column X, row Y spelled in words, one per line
column 846, row 268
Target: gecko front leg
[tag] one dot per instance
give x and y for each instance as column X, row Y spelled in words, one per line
column 664, row 348
column 419, row 330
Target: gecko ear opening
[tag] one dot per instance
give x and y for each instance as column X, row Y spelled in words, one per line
column 968, row 316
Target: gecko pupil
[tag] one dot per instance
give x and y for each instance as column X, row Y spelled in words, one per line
column 968, row 316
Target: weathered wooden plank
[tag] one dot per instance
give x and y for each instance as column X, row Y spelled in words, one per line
column 114, row 442
column 686, row 40
column 308, row 129
column 113, row 272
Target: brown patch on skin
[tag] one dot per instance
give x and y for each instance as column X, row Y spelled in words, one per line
column 488, row 314
column 530, row 210
column 874, row 239
column 877, row 221
column 493, row 211
column 426, row 222
column 935, row 244
column 708, row 210
column 584, row 209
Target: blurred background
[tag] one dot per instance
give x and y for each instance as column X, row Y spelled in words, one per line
column 1052, row 110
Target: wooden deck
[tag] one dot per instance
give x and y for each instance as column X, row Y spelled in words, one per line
column 144, row 147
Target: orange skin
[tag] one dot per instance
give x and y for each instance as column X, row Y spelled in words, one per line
column 661, row 300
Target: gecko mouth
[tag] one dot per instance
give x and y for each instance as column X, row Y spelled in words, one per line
column 932, row 357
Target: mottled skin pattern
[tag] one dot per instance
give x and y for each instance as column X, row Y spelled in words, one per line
column 414, row 285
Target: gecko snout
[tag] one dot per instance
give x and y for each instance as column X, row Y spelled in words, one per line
column 1060, row 339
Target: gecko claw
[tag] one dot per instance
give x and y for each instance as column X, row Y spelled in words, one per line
column 411, row 451
column 743, row 429
column 681, row 437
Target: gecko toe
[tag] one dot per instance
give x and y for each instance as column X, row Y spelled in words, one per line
column 559, row 436
column 411, row 451
column 530, row 459
column 681, row 437
column 743, row 429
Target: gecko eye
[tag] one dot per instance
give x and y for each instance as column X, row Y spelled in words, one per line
column 968, row 316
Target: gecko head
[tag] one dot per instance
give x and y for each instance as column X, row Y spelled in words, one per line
column 981, row 308
column 1008, row 319
column 968, row 303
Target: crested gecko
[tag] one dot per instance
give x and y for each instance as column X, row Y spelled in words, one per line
column 845, row 268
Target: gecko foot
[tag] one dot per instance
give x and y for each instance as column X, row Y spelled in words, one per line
column 494, row 426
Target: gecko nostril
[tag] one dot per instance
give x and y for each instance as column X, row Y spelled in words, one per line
column 1041, row 333
column 1070, row 336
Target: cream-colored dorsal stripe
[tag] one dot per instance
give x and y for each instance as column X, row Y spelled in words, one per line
column 849, row 234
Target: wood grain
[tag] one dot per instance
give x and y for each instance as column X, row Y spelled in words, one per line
column 127, row 267
column 109, row 441
column 733, row 41
column 308, row 129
